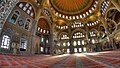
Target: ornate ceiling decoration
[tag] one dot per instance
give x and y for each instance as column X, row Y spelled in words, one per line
column 60, row 22
column 71, row 7
column 43, row 23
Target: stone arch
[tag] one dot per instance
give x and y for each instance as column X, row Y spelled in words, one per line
column 47, row 21
column 62, row 33
column 76, row 30
column 112, row 8
column 93, row 29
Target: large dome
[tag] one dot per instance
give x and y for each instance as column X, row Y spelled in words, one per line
column 71, row 6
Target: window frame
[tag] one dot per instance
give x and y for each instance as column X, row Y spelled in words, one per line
column 24, row 47
column 7, row 46
column 18, row 15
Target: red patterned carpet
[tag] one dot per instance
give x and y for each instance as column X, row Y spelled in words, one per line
column 108, row 59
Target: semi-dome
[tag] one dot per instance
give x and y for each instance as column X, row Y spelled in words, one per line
column 71, row 6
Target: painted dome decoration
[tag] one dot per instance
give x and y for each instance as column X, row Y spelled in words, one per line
column 71, row 7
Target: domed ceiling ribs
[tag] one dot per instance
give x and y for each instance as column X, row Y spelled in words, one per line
column 71, row 6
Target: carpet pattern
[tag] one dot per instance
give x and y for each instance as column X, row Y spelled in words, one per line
column 108, row 59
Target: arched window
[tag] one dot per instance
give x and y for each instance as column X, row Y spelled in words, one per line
column 38, row 28
column 27, row 25
column 42, row 49
column 93, row 41
column 64, row 36
column 79, row 43
column 78, row 35
column 5, row 41
column 68, row 43
column 14, row 17
column 46, row 12
column 83, row 42
column 64, row 44
column 47, row 32
column 44, row 31
column 80, row 49
column 68, row 50
column 84, row 49
column 74, row 43
column 47, row 41
column 42, row 39
column 41, row 30
column 75, row 49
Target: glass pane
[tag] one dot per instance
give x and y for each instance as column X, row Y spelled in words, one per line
column 84, row 49
column 14, row 18
column 79, row 43
column 42, row 49
column 93, row 41
column 21, row 5
column 27, row 5
column 47, row 32
column 68, row 50
column 75, row 49
column 23, row 44
column 41, row 30
column 83, row 42
column 31, row 14
column 46, row 41
column 68, row 43
column 44, row 31
column 38, row 28
column 80, row 49
column 24, row 8
column 30, row 7
column 74, row 43
column 28, row 11
column 5, row 42
column 64, row 44
column 42, row 39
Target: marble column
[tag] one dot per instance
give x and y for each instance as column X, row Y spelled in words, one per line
column 70, row 40
column 52, row 45
column 88, row 39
